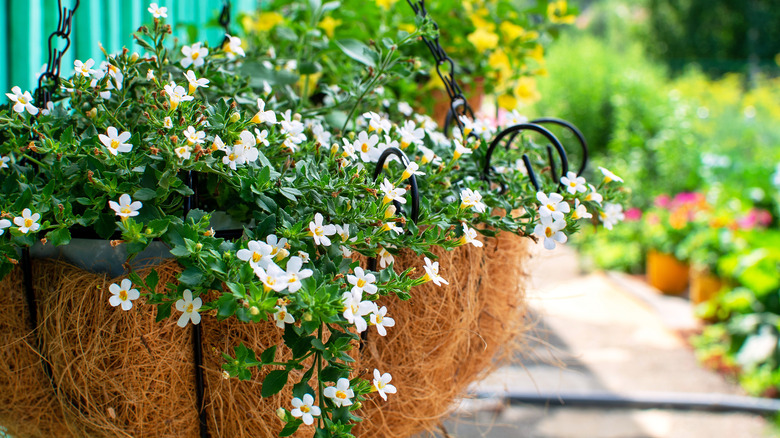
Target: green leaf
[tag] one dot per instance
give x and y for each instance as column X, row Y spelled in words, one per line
column 302, row 346
column 191, row 277
column 226, row 306
column 163, row 311
column 144, row 194
column 358, row 51
column 152, row 279
column 274, row 382
column 268, row 355
column 59, row 237
column 291, row 427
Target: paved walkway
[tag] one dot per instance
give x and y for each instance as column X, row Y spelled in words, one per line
column 601, row 333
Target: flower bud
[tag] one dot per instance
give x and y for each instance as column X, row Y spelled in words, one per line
column 225, row 375
column 307, row 316
column 198, row 246
column 134, row 57
column 390, row 211
column 235, row 117
column 254, row 310
column 281, row 413
column 92, row 113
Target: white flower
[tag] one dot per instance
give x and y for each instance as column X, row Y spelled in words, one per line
column 257, row 254
column 189, row 309
column 27, row 221
column 593, row 195
column 411, row 169
column 432, row 273
column 362, row 282
column 304, row 256
column 483, row 128
column 391, row 226
column 609, row 176
column 4, row 223
column 468, row 125
column 193, row 136
column 355, row 309
column 184, row 152
column 381, row 321
column 365, row 145
column 295, row 274
column 343, row 232
column 261, row 137
column 176, row 94
column 410, row 134
column 405, row 109
column 282, row 316
column 22, row 101
column 377, row 123
column 580, row 212
column 552, row 205
column 167, row 123
column 115, row 142
column 429, row 156
column 320, row 134
column 305, row 409
column 472, row 198
column 392, row 193
column 195, row 82
column 469, row 236
column 193, row 55
column 340, row 394
column 757, row 348
column 292, row 129
column 157, row 12
column 264, row 116
column 382, row 384
column 123, row 294
column 551, row 231
column 612, row 214
column 515, row 118
column 320, row 231
column 4, row 162
column 232, row 47
column 574, row 183
column 459, row 149
column 84, row 68
column 49, row 108
column 219, row 145
column 278, row 246
column 149, row 74
column 385, row 258
column 126, row 206
column 273, row 278
column 234, row 157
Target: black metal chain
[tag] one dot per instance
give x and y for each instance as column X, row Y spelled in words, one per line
column 445, row 68
column 224, row 19
column 49, row 80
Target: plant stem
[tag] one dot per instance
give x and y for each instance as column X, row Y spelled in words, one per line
column 320, row 389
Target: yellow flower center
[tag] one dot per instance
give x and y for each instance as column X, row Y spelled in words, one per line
column 551, row 207
column 281, row 315
column 379, row 319
column 271, row 281
column 114, row 143
column 305, row 409
column 28, row 223
column 361, row 282
column 293, row 278
column 573, row 184
column 256, row 257
column 355, row 308
column 380, row 385
column 319, row 231
column 232, row 157
column 123, row 295
column 364, row 147
column 22, row 100
column 190, row 308
column 195, row 55
column 548, row 232
column 341, row 394
column 125, row 210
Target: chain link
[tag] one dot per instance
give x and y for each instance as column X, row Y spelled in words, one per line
column 49, row 80
column 224, row 19
column 445, row 68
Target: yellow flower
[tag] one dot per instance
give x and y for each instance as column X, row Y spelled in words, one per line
column 483, row 39
column 511, row 31
column 481, row 23
column 329, row 24
column 263, row 23
column 537, row 53
column 407, row 27
column 385, row 4
column 556, row 12
column 312, row 85
column 499, row 61
column 525, row 91
column 507, row 102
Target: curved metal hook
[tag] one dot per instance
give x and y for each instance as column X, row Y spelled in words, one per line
column 453, row 109
column 514, row 131
column 573, row 129
column 380, row 165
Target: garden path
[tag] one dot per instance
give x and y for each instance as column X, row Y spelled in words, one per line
column 600, row 333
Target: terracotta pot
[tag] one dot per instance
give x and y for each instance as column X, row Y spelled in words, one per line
column 666, row 273
column 704, row 285
column 473, row 92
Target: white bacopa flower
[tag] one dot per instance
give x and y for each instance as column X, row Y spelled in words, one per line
column 233, row 47
column 305, row 409
column 355, row 309
column 483, row 128
column 295, row 274
column 550, row 230
column 321, row 135
column 609, row 176
column 377, row 123
column 176, row 94
column 385, row 258
column 126, row 206
column 264, row 116
column 552, row 205
column 365, row 145
column 594, row 195
column 189, row 309
column 411, row 135
column 261, row 137
column 304, row 256
column 428, row 156
column 84, row 68
column 612, row 214
column 432, row 273
column 405, row 109
column 282, row 316
column 4, row 162
column 4, row 223
column 411, row 169
column 515, row 118
column 194, row 82
column 235, row 157
column 193, row 136
column 459, row 149
column 362, row 281
column 219, row 145
column 194, row 55
column 258, row 253
column 343, row 232
column 320, row 231
column 184, row 152
column 22, row 101
column 292, row 130
column 392, row 226
column 469, row 236
column 115, row 142
column 157, row 12
column 278, row 246
column 382, row 384
column 580, row 212
column 392, row 193
column 28, row 221
column 468, row 125
column 472, row 198
column 341, row 394
column 167, row 123
column 379, row 319
column 149, row 74
column 273, row 277
column 123, row 294
column 574, row 183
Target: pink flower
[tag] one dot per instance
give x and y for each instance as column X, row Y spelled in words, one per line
column 662, row 201
column 633, row 214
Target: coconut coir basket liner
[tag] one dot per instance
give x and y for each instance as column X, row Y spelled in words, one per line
column 121, row 374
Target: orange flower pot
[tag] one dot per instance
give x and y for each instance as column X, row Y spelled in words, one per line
column 704, row 286
column 473, row 92
column 666, row 273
